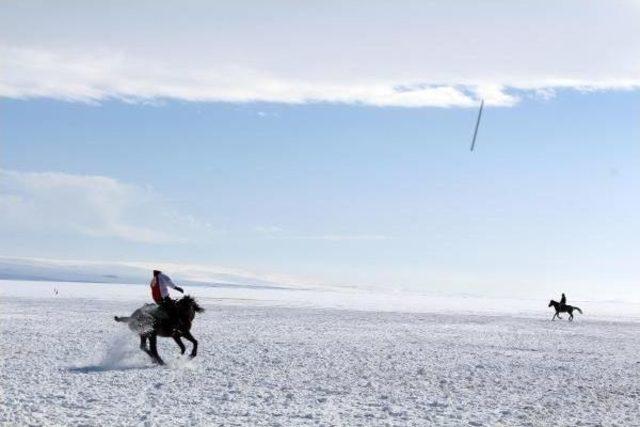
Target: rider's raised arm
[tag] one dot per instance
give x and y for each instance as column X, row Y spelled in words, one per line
column 167, row 281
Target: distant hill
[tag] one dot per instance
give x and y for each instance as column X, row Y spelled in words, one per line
column 121, row 272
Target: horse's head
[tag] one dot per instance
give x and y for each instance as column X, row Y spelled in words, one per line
column 552, row 303
column 187, row 304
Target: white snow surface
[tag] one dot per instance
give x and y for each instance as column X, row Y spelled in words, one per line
column 261, row 361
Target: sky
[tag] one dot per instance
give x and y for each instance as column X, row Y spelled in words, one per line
column 328, row 142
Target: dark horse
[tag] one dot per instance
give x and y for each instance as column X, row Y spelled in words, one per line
column 150, row 322
column 563, row 308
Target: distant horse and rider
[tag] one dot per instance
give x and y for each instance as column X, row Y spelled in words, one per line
column 563, row 307
column 166, row 318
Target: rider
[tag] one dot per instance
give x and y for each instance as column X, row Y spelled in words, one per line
column 563, row 301
column 563, row 304
column 160, row 284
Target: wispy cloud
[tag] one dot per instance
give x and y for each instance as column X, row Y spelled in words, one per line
column 88, row 205
column 268, row 230
column 338, row 237
column 278, row 233
column 408, row 54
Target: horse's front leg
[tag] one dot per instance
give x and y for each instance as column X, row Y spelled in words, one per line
column 194, row 341
column 178, row 341
column 554, row 316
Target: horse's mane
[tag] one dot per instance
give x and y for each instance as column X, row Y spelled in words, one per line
column 189, row 300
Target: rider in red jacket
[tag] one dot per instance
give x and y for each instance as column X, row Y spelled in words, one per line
column 160, row 284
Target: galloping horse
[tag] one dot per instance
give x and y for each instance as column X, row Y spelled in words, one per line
column 150, row 322
column 563, row 308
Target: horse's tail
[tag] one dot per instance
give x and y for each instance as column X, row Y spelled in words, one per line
column 578, row 308
column 121, row 319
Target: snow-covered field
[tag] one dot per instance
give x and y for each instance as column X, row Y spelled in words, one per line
column 264, row 361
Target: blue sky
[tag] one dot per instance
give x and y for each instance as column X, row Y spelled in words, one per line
column 344, row 178
column 352, row 194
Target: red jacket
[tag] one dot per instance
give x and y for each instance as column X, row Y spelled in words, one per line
column 155, row 291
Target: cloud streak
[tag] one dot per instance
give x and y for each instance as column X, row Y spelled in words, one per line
column 34, row 73
column 400, row 54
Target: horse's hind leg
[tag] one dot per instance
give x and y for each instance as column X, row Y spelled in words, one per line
column 143, row 343
column 143, row 346
column 154, row 350
column 178, row 341
column 194, row 341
